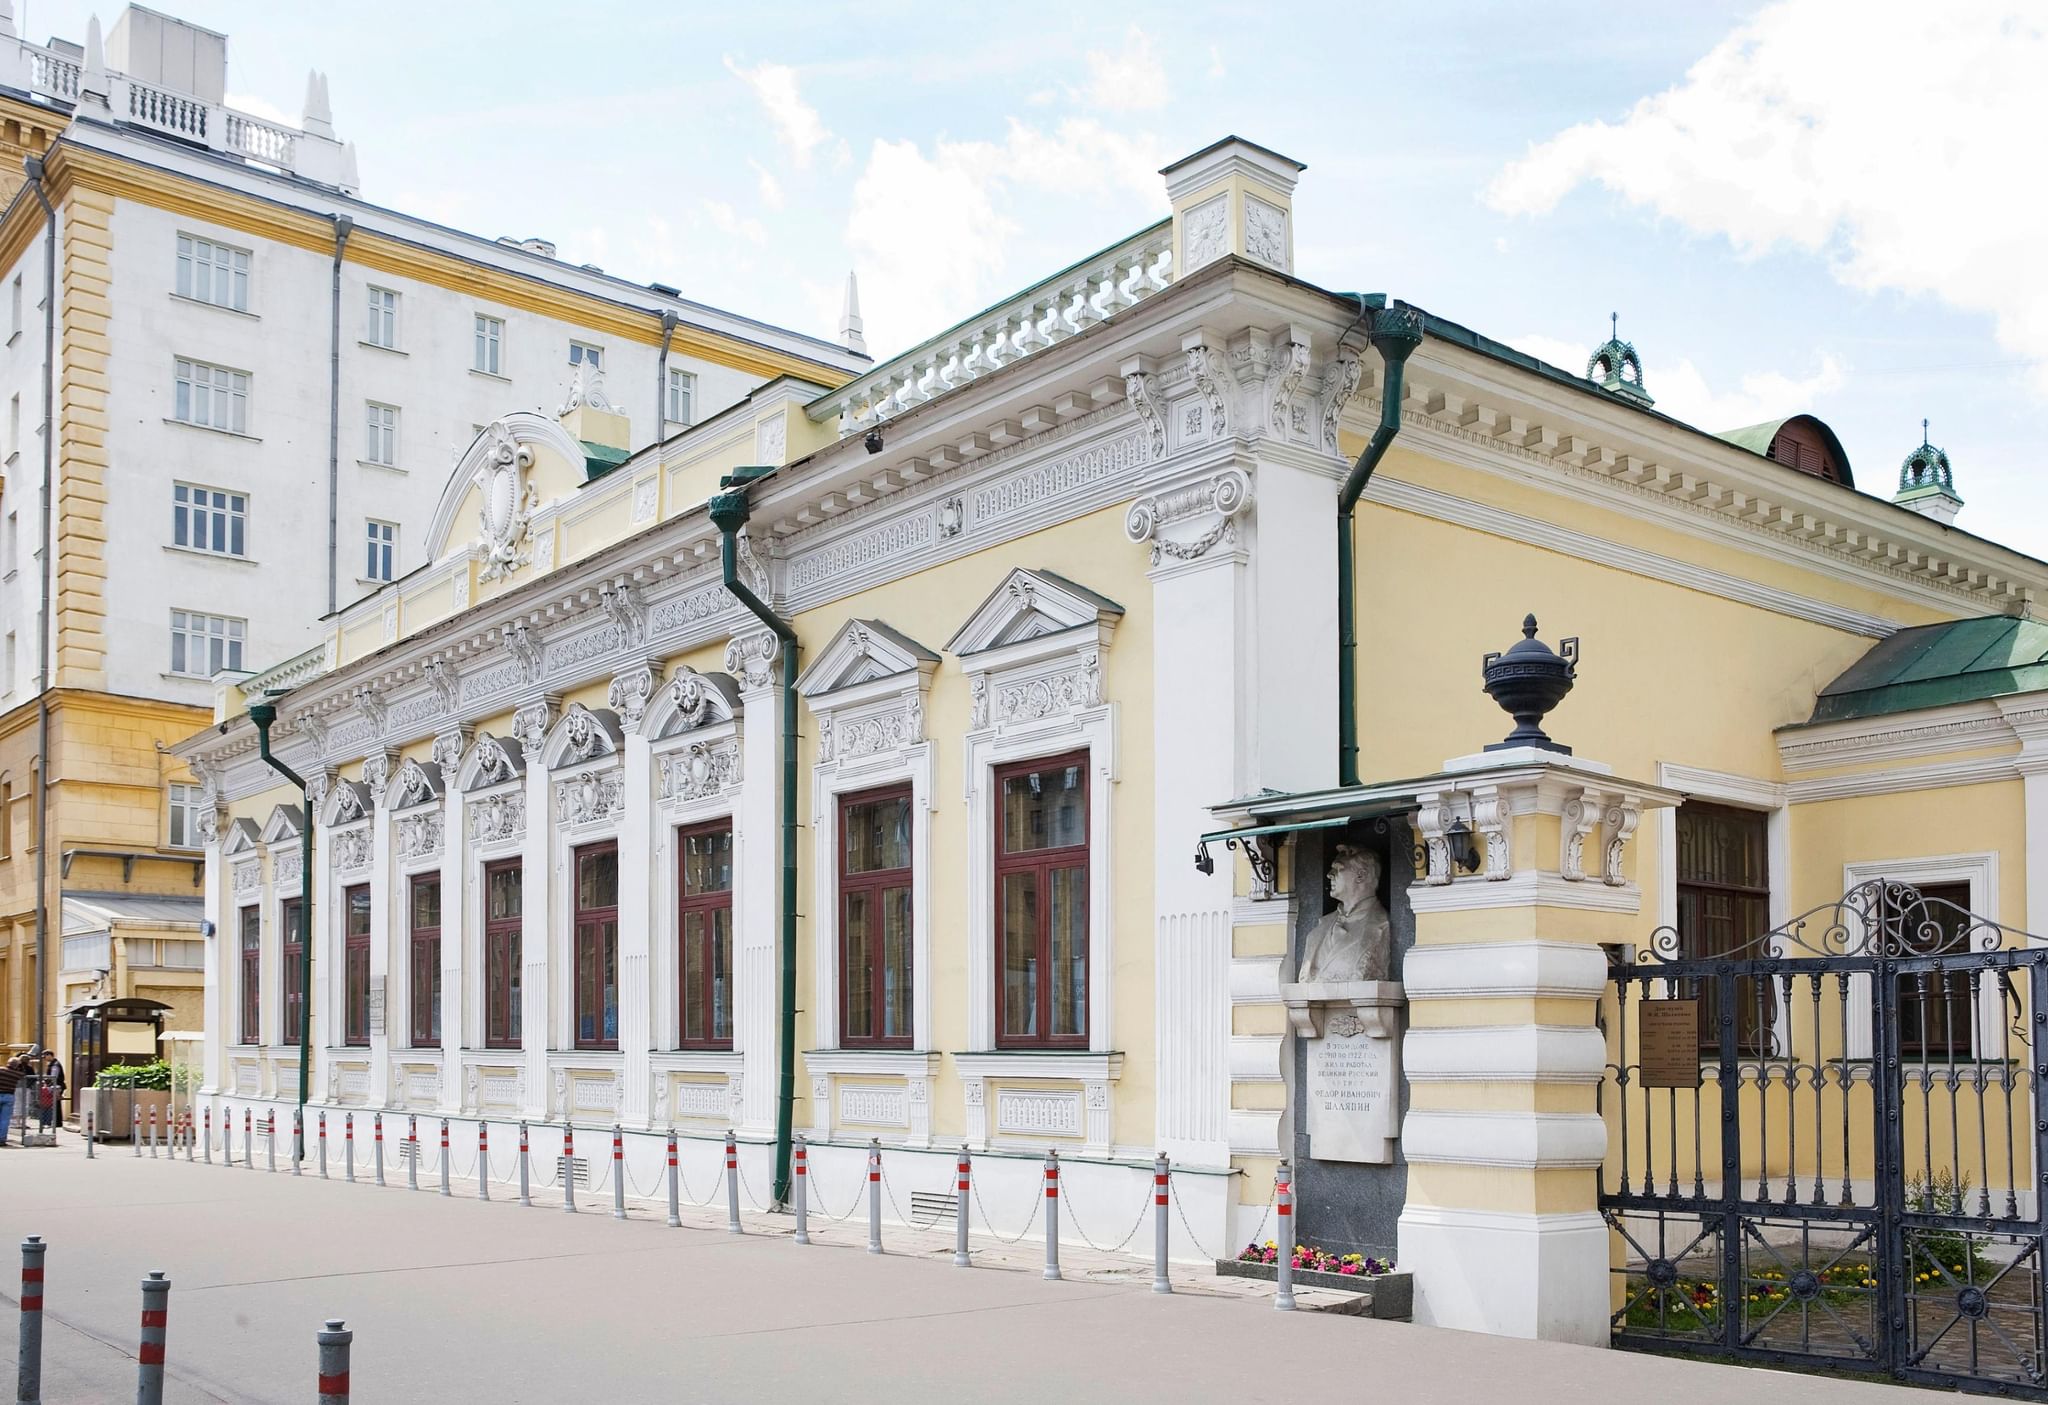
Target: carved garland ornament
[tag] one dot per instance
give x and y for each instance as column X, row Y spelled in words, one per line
column 1225, row 495
column 509, row 502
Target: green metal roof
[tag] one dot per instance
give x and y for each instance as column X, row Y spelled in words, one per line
column 600, row 459
column 1932, row 665
column 1757, row 439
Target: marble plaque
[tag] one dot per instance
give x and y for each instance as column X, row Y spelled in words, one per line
column 1353, row 1098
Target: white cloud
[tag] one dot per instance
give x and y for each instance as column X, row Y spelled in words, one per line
column 260, row 107
column 771, row 188
column 796, row 122
column 1683, row 393
column 1216, row 68
column 930, row 231
column 1886, row 138
column 1130, row 80
column 727, row 220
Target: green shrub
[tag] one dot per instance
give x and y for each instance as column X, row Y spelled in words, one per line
column 153, row 1077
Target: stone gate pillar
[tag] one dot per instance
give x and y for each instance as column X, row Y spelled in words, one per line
column 1529, row 871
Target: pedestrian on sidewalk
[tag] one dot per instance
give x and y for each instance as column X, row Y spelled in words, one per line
column 11, row 1074
column 50, row 1096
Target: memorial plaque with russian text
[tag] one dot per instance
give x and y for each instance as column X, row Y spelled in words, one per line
column 1670, row 1047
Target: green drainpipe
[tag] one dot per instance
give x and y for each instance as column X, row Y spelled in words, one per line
column 263, row 714
column 729, row 513
column 1396, row 331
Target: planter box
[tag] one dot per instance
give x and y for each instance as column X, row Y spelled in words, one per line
column 113, row 1112
column 1391, row 1295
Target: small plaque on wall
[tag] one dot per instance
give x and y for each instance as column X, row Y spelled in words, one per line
column 376, row 1005
column 1670, row 1043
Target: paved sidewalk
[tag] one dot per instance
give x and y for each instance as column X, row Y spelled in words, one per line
column 457, row 1299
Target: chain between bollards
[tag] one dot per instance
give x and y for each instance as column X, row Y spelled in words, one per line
column 149, row 1359
column 29, row 1375
column 732, row 1185
column 1283, row 1192
column 334, row 1341
column 1162, row 1171
column 874, row 1195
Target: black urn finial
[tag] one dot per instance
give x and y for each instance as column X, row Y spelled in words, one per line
column 1528, row 681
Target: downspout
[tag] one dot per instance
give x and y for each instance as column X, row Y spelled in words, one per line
column 668, row 331
column 46, row 629
column 1396, row 331
column 263, row 714
column 729, row 512
column 343, row 226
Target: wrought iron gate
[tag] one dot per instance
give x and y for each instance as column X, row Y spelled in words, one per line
column 1826, row 1144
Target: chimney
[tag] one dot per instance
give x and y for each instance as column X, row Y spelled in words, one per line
column 849, row 321
column 1234, row 197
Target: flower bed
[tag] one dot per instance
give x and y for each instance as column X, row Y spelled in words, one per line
column 1307, row 1259
column 1389, row 1295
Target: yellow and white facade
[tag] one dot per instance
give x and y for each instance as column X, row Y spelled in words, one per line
column 1088, row 540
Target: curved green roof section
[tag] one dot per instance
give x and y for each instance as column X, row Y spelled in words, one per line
column 1757, row 439
column 1934, row 665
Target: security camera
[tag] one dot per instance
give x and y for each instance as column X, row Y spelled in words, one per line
column 873, row 442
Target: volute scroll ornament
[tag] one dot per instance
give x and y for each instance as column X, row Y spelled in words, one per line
column 509, row 500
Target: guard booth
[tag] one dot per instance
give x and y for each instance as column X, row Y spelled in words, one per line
column 115, row 1032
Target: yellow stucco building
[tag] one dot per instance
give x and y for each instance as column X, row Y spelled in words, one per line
column 961, row 754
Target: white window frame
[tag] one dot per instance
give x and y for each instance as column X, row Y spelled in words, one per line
column 488, row 356
column 380, row 307
column 398, row 993
column 380, row 433
column 379, row 537
column 1980, row 872
column 233, row 638
column 202, row 514
column 182, row 799
column 680, row 394
column 581, row 351
column 209, row 396
column 218, row 268
column 14, row 299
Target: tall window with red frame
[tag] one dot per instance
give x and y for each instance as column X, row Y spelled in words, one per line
column 291, row 922
column 355, row 964
column 597, row 946
column 1041, row 873
column 425, row 925
column 251, row 934
column 704, row 937
column 874, row 920
column 504, row 906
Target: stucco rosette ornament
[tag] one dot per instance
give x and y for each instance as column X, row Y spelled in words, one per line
column 509, row 502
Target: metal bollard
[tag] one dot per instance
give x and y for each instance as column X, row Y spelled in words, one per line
column 483, row 1160
column 323, row 1143
column 29, row 1390
column 149, row 1361
column 270, row 1135
column 412, row 1143
column 90, row 1135
column 568, row 1167
column 135, row 1132
column 803, row 1176
column 675, row 1218
column 348, row 1147
column 1052, row 1216
column 1161, row 1188
column 874, row 1195
column 377, row 1133
column 249, row 1137
column 444, row 1158
column 206, row 1142
column 190, row 1129
column 334, row 1340
column 298, row 1140
column 152, row 1133
column 732, row 1186
column 525, row 1198
column 961, row 1258
column 618, row 1175
column 1283, row 1196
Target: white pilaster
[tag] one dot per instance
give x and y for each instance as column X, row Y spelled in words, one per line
column 753, row 660
column 537, row 869
column 381, row 927
column 636, row 888
column 227, row 935
column 455, row 903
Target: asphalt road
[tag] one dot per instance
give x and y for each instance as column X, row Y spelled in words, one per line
column 452, row 1299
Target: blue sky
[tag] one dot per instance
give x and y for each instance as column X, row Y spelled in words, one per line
column 1806, row 205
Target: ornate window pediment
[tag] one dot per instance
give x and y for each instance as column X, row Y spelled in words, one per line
column 866, row 689
column 690, row 700
column 1032, row 605
column 243, row 837
column 345, row 803
column 490, row 761
column 583, row 734
column 285, row 822
column 417, row 783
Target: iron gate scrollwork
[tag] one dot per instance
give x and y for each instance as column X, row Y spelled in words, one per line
column 1852, row 1179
